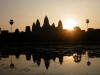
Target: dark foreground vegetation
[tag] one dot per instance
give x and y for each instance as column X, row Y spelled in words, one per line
column 63, row 36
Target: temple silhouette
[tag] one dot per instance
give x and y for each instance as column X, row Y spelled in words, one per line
column 50, row 33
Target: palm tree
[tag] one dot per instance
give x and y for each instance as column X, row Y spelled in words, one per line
column 87, row 21
column 11, row 22
column 88, row 62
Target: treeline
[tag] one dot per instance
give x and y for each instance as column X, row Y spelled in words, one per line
column 77, row 37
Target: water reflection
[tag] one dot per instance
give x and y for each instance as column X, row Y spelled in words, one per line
column 88, row 63
column 48, row 54
column 12, row 64
column 77, row 57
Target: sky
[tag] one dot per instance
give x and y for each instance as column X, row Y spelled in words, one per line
column 25, row 12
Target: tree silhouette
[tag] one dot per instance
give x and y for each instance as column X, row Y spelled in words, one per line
column 88, row 62
column 11, row 23
column 11, row 65
column 87, row 21
column 76, row 28
column 17, row 30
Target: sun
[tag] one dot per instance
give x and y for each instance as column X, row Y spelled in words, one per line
column 69, row 24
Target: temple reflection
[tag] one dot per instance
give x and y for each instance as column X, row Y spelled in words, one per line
column 60, row 59
column 49, row 53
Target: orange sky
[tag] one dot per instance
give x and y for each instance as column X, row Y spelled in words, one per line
column 25, row 12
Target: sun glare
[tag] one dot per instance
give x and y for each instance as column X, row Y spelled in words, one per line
column 69, row 24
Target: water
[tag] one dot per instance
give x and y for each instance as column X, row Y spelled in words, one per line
column 50, row 60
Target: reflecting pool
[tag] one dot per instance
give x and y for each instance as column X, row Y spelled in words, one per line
column 50, row 60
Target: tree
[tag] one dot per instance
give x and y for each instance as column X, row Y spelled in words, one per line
column 91, row 29
column 17, row 31
column 11, row 65
column 87, row 21
column 76, row 28
column 11, row 23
